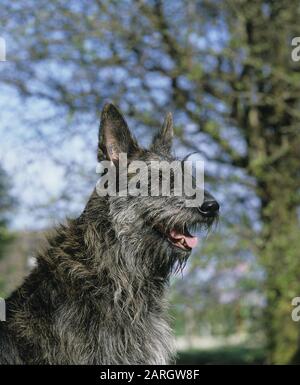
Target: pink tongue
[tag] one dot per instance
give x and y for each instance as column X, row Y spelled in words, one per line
column 190, row 241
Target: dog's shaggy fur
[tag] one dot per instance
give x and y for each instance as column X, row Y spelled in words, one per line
column 97, row 295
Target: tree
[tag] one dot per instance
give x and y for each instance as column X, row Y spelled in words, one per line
column 223, row 67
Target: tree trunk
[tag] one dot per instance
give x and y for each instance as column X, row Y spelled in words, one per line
column 279, row 254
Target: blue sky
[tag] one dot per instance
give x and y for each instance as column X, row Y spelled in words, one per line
column 37, row 179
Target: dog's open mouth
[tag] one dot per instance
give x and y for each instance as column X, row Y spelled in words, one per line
column 184, row 241
column 180, row 238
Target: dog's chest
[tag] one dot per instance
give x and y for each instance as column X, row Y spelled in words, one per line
column 90, row 338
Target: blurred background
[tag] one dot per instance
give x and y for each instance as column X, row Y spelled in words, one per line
column 225, row 70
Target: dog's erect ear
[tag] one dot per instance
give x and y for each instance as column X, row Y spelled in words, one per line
column 163, row 139
column 114, row 135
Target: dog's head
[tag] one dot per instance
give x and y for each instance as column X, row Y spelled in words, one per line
column 147, row 220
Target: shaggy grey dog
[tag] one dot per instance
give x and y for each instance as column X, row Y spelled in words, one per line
column 97, row 295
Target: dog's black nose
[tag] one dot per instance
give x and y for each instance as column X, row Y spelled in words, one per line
column 209, row 208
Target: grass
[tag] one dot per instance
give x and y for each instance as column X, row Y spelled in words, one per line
column 232, row 355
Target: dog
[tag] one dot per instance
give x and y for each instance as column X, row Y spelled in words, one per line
column 98, row 292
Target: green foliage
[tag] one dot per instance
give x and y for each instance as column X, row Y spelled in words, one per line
column 6, row 204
